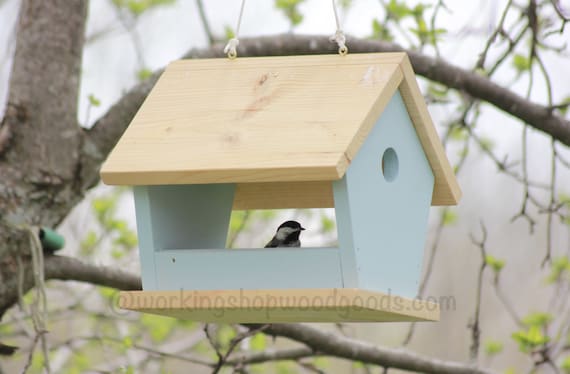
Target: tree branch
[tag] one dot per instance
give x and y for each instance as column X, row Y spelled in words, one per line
column 67, row 268
column 269, row 356
column 327, row 343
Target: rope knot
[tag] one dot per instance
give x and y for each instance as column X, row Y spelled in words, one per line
column 340, row 39
column 231, row 48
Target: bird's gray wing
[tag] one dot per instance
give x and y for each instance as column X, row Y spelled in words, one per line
column 274, row 243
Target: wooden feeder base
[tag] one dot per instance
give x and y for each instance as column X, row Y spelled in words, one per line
column 280, row 305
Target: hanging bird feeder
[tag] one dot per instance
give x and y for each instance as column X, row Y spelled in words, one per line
column 218, row 135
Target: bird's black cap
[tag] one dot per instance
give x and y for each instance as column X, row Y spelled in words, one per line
column 291, row 224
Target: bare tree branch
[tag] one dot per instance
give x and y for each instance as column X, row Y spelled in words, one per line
column 67, row 268
column 327, row 343
column 267, row 356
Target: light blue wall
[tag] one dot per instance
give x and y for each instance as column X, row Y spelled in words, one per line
column 179, row 216
column 382, row 225
column 254, row 269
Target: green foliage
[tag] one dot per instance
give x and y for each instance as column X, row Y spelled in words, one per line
column 521, row 63
column 285, row 367
column 538, row 319
column 493, row 347
column 379, row 31
column 291, row 10
column 486, row 144
column 559, row 268
column 564, row 104
column 93, row 100
column 138, row 7
column 398, row 10
column 143, row 74
column 79, row 363
column 328, row 224
column 449, row 217
column 438, row 91
column 322, row 363
column 458, row 133
column 115, row 230
column 533, row 336
column 158, row 327
column 495, row 264
column 258, row 342
column 225, row 334
column 565, row 365
column 229, row 32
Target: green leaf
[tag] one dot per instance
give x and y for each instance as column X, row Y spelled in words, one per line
column 291, row 10
column 144, row 74
column 486, row 144
column 285, row 367
column 565, row 365
column 117, row 254
column 229, row 32
column 398, row 10
column 225, row 334
column 127, row 342
column 495, row 264
column 88, row 243
column 379, row 31
column 530, row 339
column 521, row 63
column 449, row 217
column 327, row 223
column 93, row 100
column 564, row 105
column 493, row 347
column 538, row 319
column 158, row 327
column 322, row 363
column 560, row 267
column 458, row 133
column 258, row 342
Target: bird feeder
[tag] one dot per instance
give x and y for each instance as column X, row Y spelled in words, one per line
column 218, row 135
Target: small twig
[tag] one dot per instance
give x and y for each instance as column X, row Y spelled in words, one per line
column 475, row 326
column 205, row 22
column 223, row 357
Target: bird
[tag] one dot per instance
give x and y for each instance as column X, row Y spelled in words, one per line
column 287, row 235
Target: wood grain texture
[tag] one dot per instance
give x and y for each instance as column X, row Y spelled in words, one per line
column 446, row 189
column 286, row 195
column 280, row 306
column 268, row 119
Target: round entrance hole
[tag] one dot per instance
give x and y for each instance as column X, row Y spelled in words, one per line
column 390, row 165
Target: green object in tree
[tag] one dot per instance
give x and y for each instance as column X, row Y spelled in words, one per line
column 51, row 240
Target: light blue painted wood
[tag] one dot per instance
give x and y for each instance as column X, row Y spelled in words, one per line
column 233, row 269
column 344, row 232
column 179, row 216
column 190, row 216
column 387, row 220
column 145, row 238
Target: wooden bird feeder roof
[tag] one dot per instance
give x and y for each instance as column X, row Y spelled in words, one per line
column 269, row 119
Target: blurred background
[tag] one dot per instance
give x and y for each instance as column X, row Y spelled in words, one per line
column 513, row 207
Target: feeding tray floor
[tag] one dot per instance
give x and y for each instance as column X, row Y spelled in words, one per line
column 280, row 305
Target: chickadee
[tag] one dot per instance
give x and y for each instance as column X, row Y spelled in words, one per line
column 287, row 235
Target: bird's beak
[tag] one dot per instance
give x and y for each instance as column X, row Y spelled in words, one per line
column 302, row 228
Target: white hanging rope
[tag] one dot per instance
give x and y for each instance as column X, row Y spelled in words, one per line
column 231, row 47
column 338, row 36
